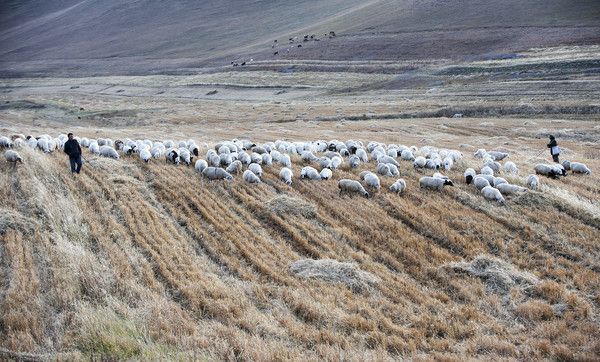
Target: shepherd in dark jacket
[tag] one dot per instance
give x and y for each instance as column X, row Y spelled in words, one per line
column 73, row 149
column 554, row 149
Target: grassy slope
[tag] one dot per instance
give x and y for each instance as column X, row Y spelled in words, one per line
column 134, row 260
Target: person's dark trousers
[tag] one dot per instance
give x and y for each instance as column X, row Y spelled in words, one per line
column 555, row 158
column 75, row 164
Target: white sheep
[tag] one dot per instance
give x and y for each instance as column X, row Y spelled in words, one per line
column 185, row 155
column 13, row 156
column 480, row 153
column 108, row 151
column 469, row 175
column 310, row 173
column 491, row 179
column 33, row 143
column 486, row 170
column 326, row 174
column 308, row 156
column 383, row 169
column 508, row 189
column 448, row 163
column 495, row 166
column 393, row 169
column 94, row 148
column 216, row 173
column 336, row 162
column 200, row 165
column 510, row 167
column 434, row 183
column 251, row 177
column 578, row 167
column 362, row 154
column 352, row 186
column 492, row 194
column 439, row 175
column 499, row 181
column 256, row 169
column 5, row 142
column 325, row 162
column 372, row 180
column 145, row 155
column 235, row 167
column 533, row 182
column 497, row 156
column 267, row 160
column 399, row 186
column 407, row 155
column 354, row 161
column 285, row 161
column 419, row 162
column 552, row 171
column 286, row 175
column 480, row 182
column 388, row 159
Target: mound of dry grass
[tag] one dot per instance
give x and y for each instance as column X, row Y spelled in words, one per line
column 334, row 271
column 498, row 276
column 286, row 205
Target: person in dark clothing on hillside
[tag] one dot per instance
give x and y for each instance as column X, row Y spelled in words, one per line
column 73, row 149
column 554, row 149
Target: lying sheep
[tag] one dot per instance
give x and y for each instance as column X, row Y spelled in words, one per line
column 469, row 175
column 508, row 189
column 216, row 173
column 578, row 167
column 256, row 169
column 145, row 155
column 286, row 175
column 200, row 165
column 510, row 167
column 235, row 167
column 533, row 182
column 434, row 183
column 551, row 171
column 480, row 182
column 251, row 177
column 492, row 194
column 399, row 186
column 352, row 186
column 310, row 173
column 372, row 180
column 326, row 174
column 497, row 156
column 12, row 156
column 108, row 151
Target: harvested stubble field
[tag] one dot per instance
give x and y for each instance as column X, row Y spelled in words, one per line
column 148, row 261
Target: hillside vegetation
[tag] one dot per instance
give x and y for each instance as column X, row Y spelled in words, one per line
column 134, row 260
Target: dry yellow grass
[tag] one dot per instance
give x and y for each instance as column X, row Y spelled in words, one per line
column 151, row 261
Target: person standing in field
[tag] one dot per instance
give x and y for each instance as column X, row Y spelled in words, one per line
column 73, row 149
column 554, row 149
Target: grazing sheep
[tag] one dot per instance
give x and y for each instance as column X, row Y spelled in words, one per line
column 336, row 162
column 244, row 158
column 480, row 182
column 267, row 160
column 489, row 178
column 434, row 183
column 308, row 156
column 12, row 156
column 5, row 142
column 185, row 156
column 492, row 194
column 94, row 148
column 326, row 174
column 499, row 181
column 372, row 180
column 383, row 170
column 578, row 167
column 351, row 186
column 200, row 165
column 388, row 159
column 419, row 162
column 448, row 163
column 407, row 155
column 469, row 175
column 286, row 175
column 399, row 186
column 310, row 173
column 533, row 182
column 508, row 189
column 486, row 170
column 362, row 154
column 251, row 177
column 510, row 167
column 108, row 151
column 393, row 169
column 566, row 165
column 216, row 173
column 480, row 153
column 325, row 162
column 354, row 161
column 33, row 143
column 234, row 168
column 439, row 175
column 285, row 161
column 497, row 156
column 145, row 155
column 551, row 171
column 256, row 157
column 172, row 156
column 495, row 166
column 256, row 169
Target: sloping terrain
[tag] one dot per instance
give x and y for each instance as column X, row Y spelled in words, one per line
column 141, row 37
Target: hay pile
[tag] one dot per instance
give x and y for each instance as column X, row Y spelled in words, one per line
column 498, row 276
column 286, row 205
column 334, row 271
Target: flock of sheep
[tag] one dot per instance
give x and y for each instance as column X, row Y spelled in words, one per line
column 235, row 157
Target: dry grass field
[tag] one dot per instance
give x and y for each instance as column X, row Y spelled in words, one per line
column 152, row 261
